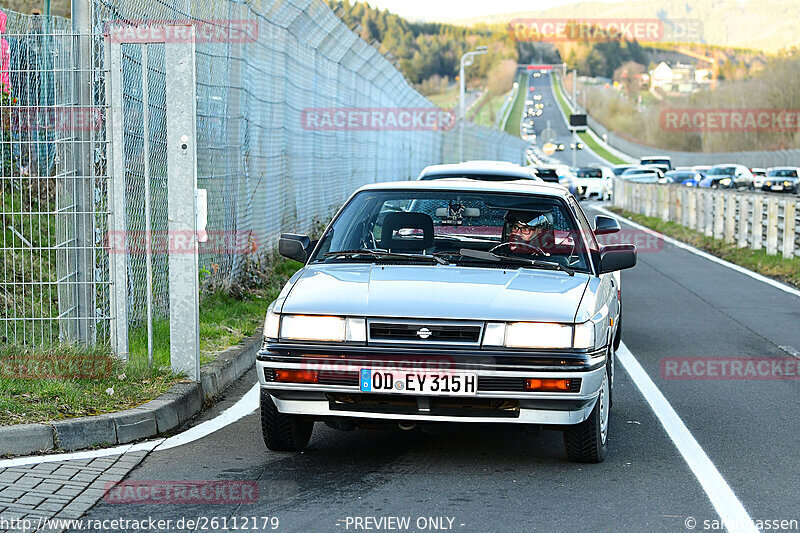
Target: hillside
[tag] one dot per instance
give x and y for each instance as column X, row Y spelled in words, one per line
column 768, row 25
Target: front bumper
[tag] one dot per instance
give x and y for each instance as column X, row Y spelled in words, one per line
column 501, row 396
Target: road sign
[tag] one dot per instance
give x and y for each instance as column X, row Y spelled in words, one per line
column 549, row 148
column 540, row 67
column 548, row 135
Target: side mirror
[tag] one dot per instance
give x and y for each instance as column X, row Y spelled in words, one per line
column 293, row 246
column 605, row 225
column 615, row 257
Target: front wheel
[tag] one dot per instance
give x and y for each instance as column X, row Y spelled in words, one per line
column 281, row 432
column 587, row 442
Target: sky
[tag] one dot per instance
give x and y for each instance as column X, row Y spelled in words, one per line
column 443, row 10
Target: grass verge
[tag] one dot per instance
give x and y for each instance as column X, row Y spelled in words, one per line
column 68, row 381
column 773, row 266
column 512, row 126
column 587, row 139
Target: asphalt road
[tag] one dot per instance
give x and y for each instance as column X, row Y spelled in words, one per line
column 544, row 85
column 495, row 478
column 511, row 479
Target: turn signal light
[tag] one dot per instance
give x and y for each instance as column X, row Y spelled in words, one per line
column 547, row 385
column 297, row 376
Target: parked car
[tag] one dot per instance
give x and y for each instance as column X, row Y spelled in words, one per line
column 782, row 179
column 727, row 176
column 689, row 178
column 656, row 160
column 447, row 301
column 479, row 170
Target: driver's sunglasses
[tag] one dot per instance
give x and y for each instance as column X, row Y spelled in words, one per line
column 522, row 228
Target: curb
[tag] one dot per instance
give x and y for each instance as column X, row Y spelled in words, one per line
column 155, row 417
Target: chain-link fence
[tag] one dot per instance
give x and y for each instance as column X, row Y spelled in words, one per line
column 262, row 69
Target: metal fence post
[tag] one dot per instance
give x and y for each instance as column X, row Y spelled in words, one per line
column 181, row 184
column 789, row 235
column 758, row 215
column 772, row 226
column 83, row 183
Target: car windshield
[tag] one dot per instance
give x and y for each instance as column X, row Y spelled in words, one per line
column 721, row 171
column 655, row 162
column 441, row 224
column 619, row 170
column 632, row 171
column 783, row 173
column 589, row 173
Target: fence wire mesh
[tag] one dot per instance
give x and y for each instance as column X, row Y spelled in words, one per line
column 260, row 66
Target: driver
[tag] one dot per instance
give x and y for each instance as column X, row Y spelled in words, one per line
column 526, row 231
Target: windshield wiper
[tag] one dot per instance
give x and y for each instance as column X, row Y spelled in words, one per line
column 502, row 258
column 382, row 254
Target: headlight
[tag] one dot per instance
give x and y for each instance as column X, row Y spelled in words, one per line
column 584, row 335
column 768, row 183
column 271, row 323
column 539, row 335
column 323, row 328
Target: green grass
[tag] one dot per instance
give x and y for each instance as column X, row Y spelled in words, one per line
column 486, row 115
column 512, row 126
column 447, row 99
column 773, row 266
column 587, row 139
column 40, row 386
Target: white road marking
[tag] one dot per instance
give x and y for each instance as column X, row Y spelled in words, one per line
column 246, row 405
column 730, row 509
column 692, row 249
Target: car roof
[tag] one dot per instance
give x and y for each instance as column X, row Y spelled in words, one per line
column 494, row 168
column 468, row 185
column 655, row 157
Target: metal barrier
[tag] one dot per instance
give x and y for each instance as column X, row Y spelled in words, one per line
column 261, row 68
column 749, row 219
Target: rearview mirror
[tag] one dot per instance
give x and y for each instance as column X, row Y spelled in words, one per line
column 615, row 257
column 605, row 225
column 293, row 246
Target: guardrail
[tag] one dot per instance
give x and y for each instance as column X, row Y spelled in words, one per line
column 749, row 219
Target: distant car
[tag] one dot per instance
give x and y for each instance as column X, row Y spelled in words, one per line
column 480, row 170
column 782, row 179
column 689, row 178
column 537, row 96
column 579, row 146
column 547, row 174
column 702, row 169
column 642, row 174
column 537, row 75
column 619, row 169
column 539, row 106
column 560, row 147
column 592, row 183
column 528, row 102
column 759, row 175
column 656, row 160
column 539, row 113
column 727, row 176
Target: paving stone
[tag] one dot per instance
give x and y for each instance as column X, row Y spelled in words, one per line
column 30, row 499
column 84, row 477
column 50, row 506
column 69, row 491
column 48, row 487
column 9, row 476
column 12, row 492
column 27, row 482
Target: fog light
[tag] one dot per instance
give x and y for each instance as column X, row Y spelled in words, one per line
column 547, row 385
column 296, row 376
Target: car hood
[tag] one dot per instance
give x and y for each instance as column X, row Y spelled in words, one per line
column 440, row 291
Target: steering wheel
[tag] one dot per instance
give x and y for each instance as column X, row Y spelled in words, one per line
column 535, row 248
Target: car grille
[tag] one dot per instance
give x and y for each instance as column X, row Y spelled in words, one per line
column 425, row 332
column 485, row 383
column 438, row 406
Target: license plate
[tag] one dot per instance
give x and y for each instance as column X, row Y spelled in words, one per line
column 777, row 187
column 427, row 383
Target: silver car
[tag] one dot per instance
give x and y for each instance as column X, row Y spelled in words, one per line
column 429, row 302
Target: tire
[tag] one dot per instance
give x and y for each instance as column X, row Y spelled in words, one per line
column 587, row 442
column 283, row 433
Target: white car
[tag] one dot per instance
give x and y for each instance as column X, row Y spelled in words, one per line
column 593, row 182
